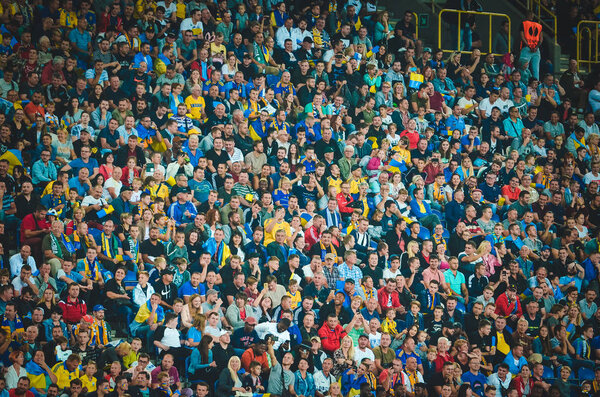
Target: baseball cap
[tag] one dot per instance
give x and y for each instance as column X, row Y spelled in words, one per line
column 223, row 332
column 250, row 321
column 308, row 40
column 167, row 271
column 88, row 319
column 97, row 308
column 315, row 338
column 329, row 149
column 512, row 287
column 52, row 212
column 350, row 280
column 355, row 167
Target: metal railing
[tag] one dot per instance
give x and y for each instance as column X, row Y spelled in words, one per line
column 416, row 21
column 542, row 12
column 460, row 13
column 592, row 31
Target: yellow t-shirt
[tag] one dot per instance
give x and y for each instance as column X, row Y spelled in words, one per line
column 68, row 19
column 90, row 383
column 195, row 107
column 270, row 237
column 64, row 375
column 296, row 299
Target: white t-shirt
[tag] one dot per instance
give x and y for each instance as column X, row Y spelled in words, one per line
column 486, row 106
column 359, row 354
column 90, row 200
column 504, row 105
column 188, row 24
column 375, row 339
column 171, row 338
column 465, row 103
column 589, row 177
column 111, row 182
column 264, row 329
column 172, row 8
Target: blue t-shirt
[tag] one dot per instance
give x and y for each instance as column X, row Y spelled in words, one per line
column 282, row 197
column 477, row 382
column 188, row 290
column 78, row 164
column 81, row 188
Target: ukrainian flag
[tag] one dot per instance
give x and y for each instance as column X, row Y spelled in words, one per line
column 397, row 166
column 12, row 155
column 416, row 80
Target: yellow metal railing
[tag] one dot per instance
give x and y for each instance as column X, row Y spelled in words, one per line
column 460, row 13
column 537, row 7
column 416, row 18
column 593, row 34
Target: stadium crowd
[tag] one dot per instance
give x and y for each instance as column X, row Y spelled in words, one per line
column 296, row 199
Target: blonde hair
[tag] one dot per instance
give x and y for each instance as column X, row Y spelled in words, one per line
column 482, row 245
column 409, row 246
column 234, row 375
column 350, row 354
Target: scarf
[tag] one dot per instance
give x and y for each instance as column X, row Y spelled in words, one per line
column 92, row 270
column 68, row 245
column 55, row 245
column 398, row 378
column 18, row 325
column 134, row 247
column 412, row 378
column 333, row 219
column 368, row 295
column 324, row 251
column 107, row 247
column 389, row 326
column 546, row 179
column 432, row 301
column 438, row 193
column 76, row 240
column 101, row 331
column 440, row 240
column 92, row 333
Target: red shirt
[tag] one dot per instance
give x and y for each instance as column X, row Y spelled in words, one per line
column 385, row 298
column 413, row 138
column 73, row 310
column 506, row 309
column 441, row 359
column 331, row 338
column 30, row 223
column 311, row 236
column 512, row 196
column 31, row 108
column 343, row 203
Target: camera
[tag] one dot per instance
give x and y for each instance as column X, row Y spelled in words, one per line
column 271, row 337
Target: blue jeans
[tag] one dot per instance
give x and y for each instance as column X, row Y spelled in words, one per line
column 533, row 57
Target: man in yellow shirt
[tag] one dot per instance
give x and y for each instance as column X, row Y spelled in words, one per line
column 195, row 104
column 275, row 224
column 67, row 371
